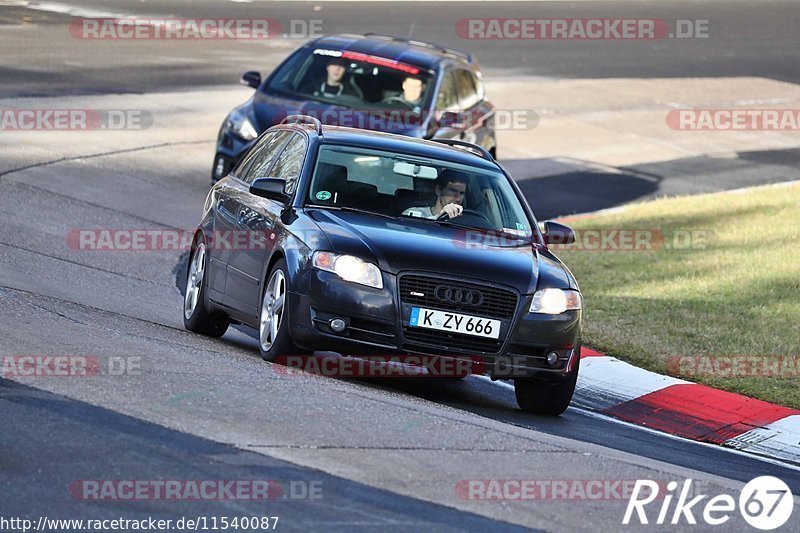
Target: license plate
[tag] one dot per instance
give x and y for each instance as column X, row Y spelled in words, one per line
column 454, row 322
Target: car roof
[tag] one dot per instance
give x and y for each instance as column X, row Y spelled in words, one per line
column 342, row 136
column 418, row 53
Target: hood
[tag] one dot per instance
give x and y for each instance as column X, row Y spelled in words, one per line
column 397, row 245
column 269, row 110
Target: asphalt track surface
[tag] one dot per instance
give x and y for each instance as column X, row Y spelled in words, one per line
column 387, row 452
column 80, row 441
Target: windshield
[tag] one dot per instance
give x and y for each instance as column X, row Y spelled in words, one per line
column 354, row 79
column 403, row 186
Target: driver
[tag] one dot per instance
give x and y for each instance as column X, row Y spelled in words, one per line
column 412, row 93
column 450, row 189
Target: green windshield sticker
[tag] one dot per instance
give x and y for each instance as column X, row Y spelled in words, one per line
column 323, row 195
column 520, row 227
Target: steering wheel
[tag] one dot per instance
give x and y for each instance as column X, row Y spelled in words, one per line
column 401, row 100
column 467, row 212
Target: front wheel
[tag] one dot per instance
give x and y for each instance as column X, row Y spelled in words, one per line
column 195, row 315
column 273, row 323
column 546, row 398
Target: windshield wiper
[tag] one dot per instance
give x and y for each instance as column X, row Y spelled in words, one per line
column 351, row 210
column 503, row 232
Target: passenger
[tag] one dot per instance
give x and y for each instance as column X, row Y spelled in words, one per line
column 450, row 189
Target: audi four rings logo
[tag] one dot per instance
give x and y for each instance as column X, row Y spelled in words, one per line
column 457, row 296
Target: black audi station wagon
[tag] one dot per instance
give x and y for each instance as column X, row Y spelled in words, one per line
column 361, row 242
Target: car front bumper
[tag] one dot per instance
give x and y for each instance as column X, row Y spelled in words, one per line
column 377, row 324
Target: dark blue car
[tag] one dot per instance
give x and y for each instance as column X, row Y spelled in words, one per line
column 373, row 82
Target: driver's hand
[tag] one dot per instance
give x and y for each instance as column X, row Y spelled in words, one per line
column 452, row 210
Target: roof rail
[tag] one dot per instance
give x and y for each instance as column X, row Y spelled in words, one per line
column 303, row 119
column 451, row 51
column 478, row 150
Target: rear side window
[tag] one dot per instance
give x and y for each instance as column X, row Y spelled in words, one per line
column 260, row 161
column 290, row 163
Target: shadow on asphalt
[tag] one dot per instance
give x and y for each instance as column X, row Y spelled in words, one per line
column 580, row 192
column 582, row 187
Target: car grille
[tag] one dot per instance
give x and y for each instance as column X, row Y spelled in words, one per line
column 496, row 303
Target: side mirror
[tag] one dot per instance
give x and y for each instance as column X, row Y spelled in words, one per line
column 251, row 78
column 450, row 119
column 270, row 188
column 555, row 233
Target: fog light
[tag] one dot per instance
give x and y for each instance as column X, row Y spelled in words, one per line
column 552, row 358
column 219, row 170
column 338, row 325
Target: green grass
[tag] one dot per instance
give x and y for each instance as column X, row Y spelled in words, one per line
column 736, row 292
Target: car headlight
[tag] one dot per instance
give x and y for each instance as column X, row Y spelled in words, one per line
column 239, row 124
column 555, row 301
column 349, row 268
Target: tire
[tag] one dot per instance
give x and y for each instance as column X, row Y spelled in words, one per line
column 196, row 317
column 275, row 340
column 546, row 398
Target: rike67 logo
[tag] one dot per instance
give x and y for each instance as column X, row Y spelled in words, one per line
column 765, row 503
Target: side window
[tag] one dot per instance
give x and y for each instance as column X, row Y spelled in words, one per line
column 467, row 92
column 264, row 156
column 290, row 163
column 448, row 97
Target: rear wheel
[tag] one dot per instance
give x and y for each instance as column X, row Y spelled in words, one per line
column 195, row 315
column 546, row 397
column 273, row 323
